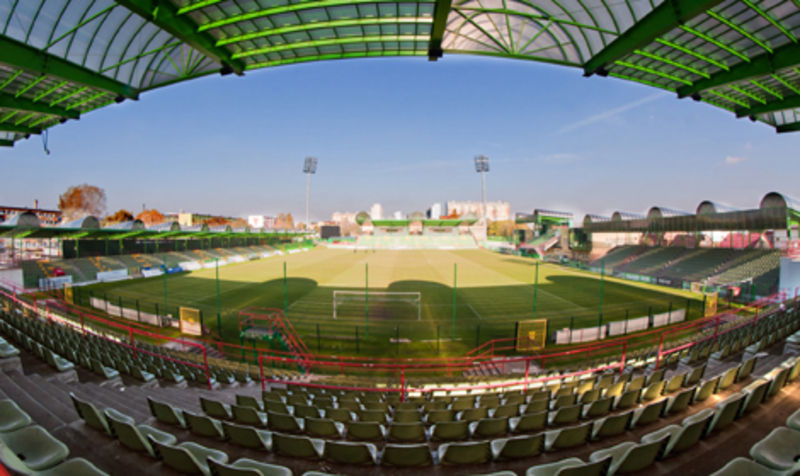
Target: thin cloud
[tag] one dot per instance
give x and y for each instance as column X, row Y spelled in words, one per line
column 731, row 160
column 610, row 113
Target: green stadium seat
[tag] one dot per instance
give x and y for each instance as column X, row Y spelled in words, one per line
column 57, row 362
column 529, row 422
column 725, row 413
column 679, row 402
column 567, row 437
column 106, row 372
column 188, row 457
column 165, row 413
column 612, row 425
column 350, row 453
column 366, row 431
column 450, row 431
column 339, row 414
column 202, row 425
column 754, row 395
column 73, row 467
column 630, row 457
column 406, row 416
column 407, row 432
column 32, row 447
column 297, row 446
column 674, row 383
column 746, row 467
column 248, row 415
column 682, row 437
column 473, row 414
column 536, row 406
column 628, row 399
column 565, row 415
column 247, row 436
column 489, row 427
column 323, row 428
column 247, row 467
column 727, row 379
column 90, row 414
column 215, row 409
column 284, row 422
column 597, row 408
column 705, row 390
column 142, row 375
column 777, row 382
column 506, row 411
column 779, row 450
column 136, row 438
column 517, row 447
column 570, row 467
column 654, row 390
column 793, row 421
column 7, row 350
column 12, row 417
column 248, row 401
column 564, row 401
column 478, row 452
column 648, row 414
column 695, row 375
column 746, row 369
column 406, row 455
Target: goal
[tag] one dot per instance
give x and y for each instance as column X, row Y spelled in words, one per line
column 409, row 300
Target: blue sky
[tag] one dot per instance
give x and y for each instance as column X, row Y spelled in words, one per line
column 403, row 132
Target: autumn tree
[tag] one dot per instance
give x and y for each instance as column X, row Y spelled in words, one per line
column 280, row 222
column 119, row 216
column 289, row 221
column 238, row 223
column 501, row 228
column 151, row 217
column 81, row 200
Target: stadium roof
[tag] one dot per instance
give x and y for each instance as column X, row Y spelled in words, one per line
column 60, row 59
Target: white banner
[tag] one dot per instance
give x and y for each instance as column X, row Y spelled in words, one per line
column 115, row 275
column 149, row 273
column 190, row 265
column 56, row 282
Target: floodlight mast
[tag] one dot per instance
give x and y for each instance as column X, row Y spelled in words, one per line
column 482, row 166
column 309, row 167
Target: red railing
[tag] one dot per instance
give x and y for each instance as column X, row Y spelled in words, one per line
column 124, row 329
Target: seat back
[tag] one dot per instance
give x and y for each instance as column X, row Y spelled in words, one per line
column 572, row 436
column 726, row 412
column 477, row 452
column 350, row 453
column 612, row 425
column 450, row 431
column 406, row 455
column 705, row 389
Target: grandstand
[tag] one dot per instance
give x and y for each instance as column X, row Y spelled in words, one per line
column 681, row 409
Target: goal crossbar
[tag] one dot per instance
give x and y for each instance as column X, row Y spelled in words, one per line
column 411, row 297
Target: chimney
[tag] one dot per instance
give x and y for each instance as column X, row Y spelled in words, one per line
column 35, row 204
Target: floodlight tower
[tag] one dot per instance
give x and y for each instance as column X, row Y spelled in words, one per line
column 482, row 166
column 309, row 167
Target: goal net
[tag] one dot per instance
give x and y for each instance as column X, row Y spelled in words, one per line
column 391, row 304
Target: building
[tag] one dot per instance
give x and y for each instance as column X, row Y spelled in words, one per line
column 46, row 217
column 398, row 215
column 376, row 211
column 496, row 211
column 435, row 211
column 261, row 221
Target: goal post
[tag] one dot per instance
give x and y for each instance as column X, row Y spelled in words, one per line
column 531, row 335
column 412, row 298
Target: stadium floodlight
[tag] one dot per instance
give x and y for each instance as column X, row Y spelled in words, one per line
column 309, row 167
column 482, row 166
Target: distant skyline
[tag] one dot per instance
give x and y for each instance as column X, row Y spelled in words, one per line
column 403, row 132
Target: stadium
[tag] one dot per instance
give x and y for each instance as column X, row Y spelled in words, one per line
column 660, row 342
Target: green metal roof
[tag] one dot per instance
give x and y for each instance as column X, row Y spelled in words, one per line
column 63, row 58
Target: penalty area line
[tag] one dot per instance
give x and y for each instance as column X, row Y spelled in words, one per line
column 474, row 311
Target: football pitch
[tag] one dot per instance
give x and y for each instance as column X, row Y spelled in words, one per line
column 466, row 298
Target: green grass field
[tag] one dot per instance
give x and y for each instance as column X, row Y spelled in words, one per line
column 493, row 292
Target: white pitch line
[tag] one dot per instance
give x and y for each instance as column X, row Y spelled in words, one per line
column 474, row 311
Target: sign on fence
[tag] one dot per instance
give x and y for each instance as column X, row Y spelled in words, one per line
column 114, row 275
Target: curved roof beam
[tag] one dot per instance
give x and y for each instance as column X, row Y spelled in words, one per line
column 790, row 102
column 5, row 127
column 10, row 101
column 20, row 55
column 441, row 11
column 764, row 64
column 165, row 15
column 6, row 143
column 668, row 15
column 793, row 127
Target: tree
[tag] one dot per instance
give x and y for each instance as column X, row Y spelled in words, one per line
column 289, row 221
column 151, row 217
column 501, row 228
column 120, row 216
column 238, row 223
column 81, row 200
column 280, row 222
